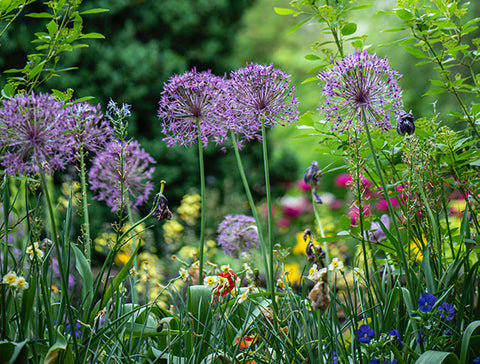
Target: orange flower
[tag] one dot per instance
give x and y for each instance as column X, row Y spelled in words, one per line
column 245, row 342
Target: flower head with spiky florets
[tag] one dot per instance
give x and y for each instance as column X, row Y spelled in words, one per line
column 106, row 176
column 190, row 107
column 91, row 130
column 360, row 85
column 260, row 93
column 34, row 131
column 237, row 234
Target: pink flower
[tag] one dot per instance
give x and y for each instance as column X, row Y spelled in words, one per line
column 342, row 180
column 303, row 186
column 353, row 214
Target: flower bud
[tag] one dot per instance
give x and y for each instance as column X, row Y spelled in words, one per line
column 405, row 124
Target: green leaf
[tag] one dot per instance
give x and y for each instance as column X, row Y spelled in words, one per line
column 349, row 28
column 54, row 351
column 404, row 14
column 8, row 90
column 13, row 353
column 52, row 27
column 466, row 338
column 435, row 91
column 94, row 11
column 427, row 271
column 360, row 7
column 344, row 222
column 437, row 357
column 415, row 51
column 83, row 268
column 40, row 15
column 296, row 26
column 306, row 119
column 311, row 57
column 285, row 11
column 93, row 36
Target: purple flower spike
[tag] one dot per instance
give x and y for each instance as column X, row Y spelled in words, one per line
column 90, row 128
column 446, row 311
column 237, row 234
column 190, row 106
column 426, row 302
column 361, row 83
column 365, row 334
column 34, row 131
column 260, row 93
column 106, row 177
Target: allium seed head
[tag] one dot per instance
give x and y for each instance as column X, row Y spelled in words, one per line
column 34, row 131
column 360, row 83
column 190, row 107
column 106, row 175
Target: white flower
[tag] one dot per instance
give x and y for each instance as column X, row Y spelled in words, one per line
column 225, row 268
column 243, row 297
column 315, row 274
column 183, row 273
column 336, row 265
column 10, row 278
column 211, row 281
column 22, row 284
column 357, row 273
column 34, row 250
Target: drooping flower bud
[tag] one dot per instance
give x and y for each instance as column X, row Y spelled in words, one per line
column 405, row 124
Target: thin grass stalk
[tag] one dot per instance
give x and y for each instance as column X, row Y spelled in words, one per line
column 3, row 288
column 202, row 207
column 271, row 275
column 63, row 278
column 399, row 246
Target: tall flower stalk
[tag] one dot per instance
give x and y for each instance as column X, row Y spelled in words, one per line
column 189, row 109
column 260, row 96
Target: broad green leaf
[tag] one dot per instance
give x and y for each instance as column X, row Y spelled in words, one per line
column 94, row 11
column 312, row 57
column 466, row 337
column 52, row 27
column 40, row 15
column 296, row 26
column 415, row 51
column 360, row 7
column 93, row 36
column 437, row 357
column 285, row 11
column 54, row 351
column 85, row 272
column 13, row 353
column 344, row 222
column 404, row 14
column 349, row 28
column 306, row 119
column 435, row 91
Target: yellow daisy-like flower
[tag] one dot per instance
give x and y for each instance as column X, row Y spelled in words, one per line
column 292, row 272
column 22, row 284
column 10, row 278
column 122, row 258
column 336, row 265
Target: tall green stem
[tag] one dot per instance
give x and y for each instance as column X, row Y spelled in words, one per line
column 269, row 214
column 399, row 245
column 202, row 204
column 3, row 289
column 86, row 221
column 63, row 277
column 263, row 246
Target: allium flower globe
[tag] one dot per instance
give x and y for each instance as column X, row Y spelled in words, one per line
column 106, row 177
column 360, row 85
column 35, row 134
column 237, row 234
column 259, row 93
column 190, row 108
column 89, row 127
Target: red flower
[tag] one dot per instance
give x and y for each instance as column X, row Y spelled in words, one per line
column 228, row 283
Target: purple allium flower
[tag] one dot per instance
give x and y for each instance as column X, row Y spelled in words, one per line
column 446, row 311
column 34, row 131
column 360, row 83
column 365, row 334
column 426, row 302
column 89, row 126
column 260, row 93
column 237, row 234
column 190, row 106
column 396, row 335
column 106, row 177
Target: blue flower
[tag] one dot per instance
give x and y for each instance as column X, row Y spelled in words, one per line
column 396, row 335
column 446, row 311
column 421, row 337
column 334, row 358
column 365, row 334
column 426, row 302
column 394, row 361
column 374, row 361
column 476, row 361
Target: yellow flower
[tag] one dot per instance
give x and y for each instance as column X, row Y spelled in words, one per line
column 22, row 284
column 122, row 258
column 172, row 230
column 416, row 249
column 243, row 297
column 189, row 209
column 292, row 272
column 10, row 278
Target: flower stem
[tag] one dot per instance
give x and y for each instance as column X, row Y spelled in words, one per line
column 202, row 204
column 263, row 246
column 86, row 220
column 399, row 245
column 6, row 205
column 269, row 207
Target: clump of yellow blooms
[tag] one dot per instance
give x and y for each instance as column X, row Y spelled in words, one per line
column 189, row 209
column 172, row 231
column 67, row 188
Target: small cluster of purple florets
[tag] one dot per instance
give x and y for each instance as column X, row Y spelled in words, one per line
column 237, row 234
column 202, row 106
